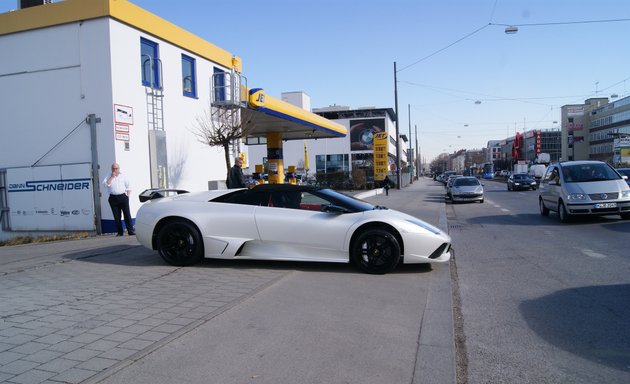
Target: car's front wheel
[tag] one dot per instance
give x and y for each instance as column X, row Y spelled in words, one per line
column 562, row 212
column 179, row 243
column 376, row 251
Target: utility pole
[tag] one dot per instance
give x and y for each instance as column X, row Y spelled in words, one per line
column 418, row 159
column 409, row 151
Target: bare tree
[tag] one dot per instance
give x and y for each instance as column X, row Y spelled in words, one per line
column 220, row 127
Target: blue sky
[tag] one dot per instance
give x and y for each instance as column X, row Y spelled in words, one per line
column 449, row 54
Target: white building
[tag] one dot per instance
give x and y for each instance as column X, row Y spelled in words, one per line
column 86, row 83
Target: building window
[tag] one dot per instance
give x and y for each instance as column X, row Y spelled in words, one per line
column 219, row 85
column 189, row 78
column 150, row 63
column 332, row 163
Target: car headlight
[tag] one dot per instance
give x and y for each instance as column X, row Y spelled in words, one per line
column 625, row 194
column 577, row 196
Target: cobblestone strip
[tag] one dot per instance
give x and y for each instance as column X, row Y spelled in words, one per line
column 81, row 321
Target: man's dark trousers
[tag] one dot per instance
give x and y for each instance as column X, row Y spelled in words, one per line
column 120, row 204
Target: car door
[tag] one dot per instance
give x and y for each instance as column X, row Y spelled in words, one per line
column 549, row 187
column 300, row 230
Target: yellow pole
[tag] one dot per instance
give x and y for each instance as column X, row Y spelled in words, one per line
column 275, row 164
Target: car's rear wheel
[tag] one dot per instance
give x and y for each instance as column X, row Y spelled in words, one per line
column 543, row 210
column 376, row 251
column 179, row 243
column 562, row 212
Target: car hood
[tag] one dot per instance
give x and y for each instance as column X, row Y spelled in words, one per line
column 591, row 187
column 402, row 221
column 467, row 188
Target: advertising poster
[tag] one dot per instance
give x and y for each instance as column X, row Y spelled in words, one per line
column 380, row 156
column 51, row 198
column 362, row 133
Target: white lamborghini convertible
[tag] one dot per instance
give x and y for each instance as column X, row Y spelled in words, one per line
column 284, row 222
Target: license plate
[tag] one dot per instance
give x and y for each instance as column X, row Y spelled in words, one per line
column 606, row 205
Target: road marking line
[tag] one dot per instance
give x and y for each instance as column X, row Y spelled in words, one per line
column 593, row 254
column 505, row 210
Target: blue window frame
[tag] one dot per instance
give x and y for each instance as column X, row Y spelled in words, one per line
column 150, row 63
column 189, row 78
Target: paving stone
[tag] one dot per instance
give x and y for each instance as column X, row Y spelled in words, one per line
column 59, row 365
column 81, row 354
column 97, row 364
column 86, row 338
column 6, row 357
column 33, row 376
column 42, row 356
column 74, row 376
column 19, row 339
column 18, row 366
column 153, row 336
column 52, row 339
column 118, row 353
column 102, row 345
column 120, row 336
column 136, row 344
column 30, row 348
column 65, row 346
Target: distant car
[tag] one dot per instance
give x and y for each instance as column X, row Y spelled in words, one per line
column 449, row 182
column 625, row 172
column 574, row 188
column 443, row 178
column 519, row 181
column 285, row 222
column 465, row 188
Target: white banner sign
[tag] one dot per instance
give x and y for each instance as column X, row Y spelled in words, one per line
column 53, row 198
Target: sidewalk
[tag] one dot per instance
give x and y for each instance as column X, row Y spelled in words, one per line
column 106, row 310
column 424, row 199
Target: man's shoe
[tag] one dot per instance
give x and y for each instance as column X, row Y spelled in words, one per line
column 132, row 233
column 119, row 234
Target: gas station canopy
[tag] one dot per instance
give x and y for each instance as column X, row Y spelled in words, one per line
column 271, row 115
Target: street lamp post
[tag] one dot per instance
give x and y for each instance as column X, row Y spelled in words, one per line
column 397, row 134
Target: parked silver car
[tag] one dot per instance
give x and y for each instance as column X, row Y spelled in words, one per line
column 465, row 188
column 583, row 188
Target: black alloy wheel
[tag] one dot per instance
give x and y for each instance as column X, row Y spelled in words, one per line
column 376, row 251
column 179, row 243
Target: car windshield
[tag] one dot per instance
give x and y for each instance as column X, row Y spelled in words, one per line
column 466, row 181
column 624, row 172
column 581, row 173
column 302, row 198
column 521, row 177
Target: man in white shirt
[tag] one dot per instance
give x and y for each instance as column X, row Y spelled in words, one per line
column 118, row 186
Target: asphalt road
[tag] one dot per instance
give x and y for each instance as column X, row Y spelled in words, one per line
column 542, row 301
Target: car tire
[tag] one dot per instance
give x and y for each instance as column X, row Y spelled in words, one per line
column 509, row 189
column 543, row 210
column 562, row 213
column 179, row 243
column 375, row 251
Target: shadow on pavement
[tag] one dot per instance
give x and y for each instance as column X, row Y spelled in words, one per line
column 137, row 255
column 591, row 322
